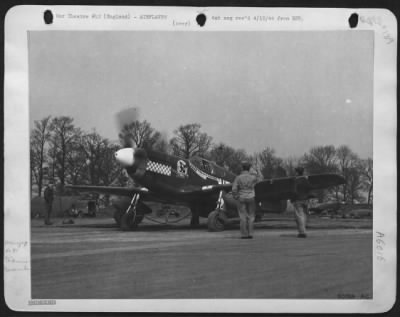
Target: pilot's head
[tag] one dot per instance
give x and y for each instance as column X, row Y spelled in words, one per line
column 299, row 170
column 246, row 165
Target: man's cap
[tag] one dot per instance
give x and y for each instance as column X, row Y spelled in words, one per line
column 246, row 164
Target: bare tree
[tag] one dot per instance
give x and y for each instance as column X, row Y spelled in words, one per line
column 367, row 175
column 228, row 157
column 63, row 139
column 190, row 141
column 92, row 146
column 110, row 171
column 101, row 167
column 139, row 134
column 321, row 159
column 239, row 156
column 270, row 165
column 354, row 182
column 346, row 160
column 289, row 164
column 221, row 154
column 162, row 144
column 76, row 164
column 39, row 137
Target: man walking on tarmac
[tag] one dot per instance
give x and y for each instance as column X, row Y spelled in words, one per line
column 48, row 198
column 243, row 192
column 300, row 205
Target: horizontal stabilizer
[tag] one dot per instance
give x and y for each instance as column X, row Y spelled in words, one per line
column 295, row 187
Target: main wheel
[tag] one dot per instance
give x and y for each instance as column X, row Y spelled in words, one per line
column 128, row 223
column 215, row 221
column 117, row 216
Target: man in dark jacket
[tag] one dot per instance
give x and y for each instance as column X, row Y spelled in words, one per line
column 48, row 198
column 243, row 191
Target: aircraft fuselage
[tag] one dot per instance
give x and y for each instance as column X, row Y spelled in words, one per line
column 172, row 179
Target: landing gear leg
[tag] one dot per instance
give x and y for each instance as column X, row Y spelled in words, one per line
column 128, row 219
column 216, row 219
column 195, row 220
column 220, row 201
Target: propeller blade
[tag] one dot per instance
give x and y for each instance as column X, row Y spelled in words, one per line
column 164, row 136
column 141, row 159
column 127, row 116
column 123, row 118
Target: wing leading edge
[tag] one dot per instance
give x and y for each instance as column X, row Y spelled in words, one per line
column 111, row 190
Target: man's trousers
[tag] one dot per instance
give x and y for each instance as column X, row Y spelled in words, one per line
column 247, row 213
column 300, row 213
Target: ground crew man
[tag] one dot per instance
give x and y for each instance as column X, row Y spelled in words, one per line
column 243, row 192
column 48, row 198
column 300, row 205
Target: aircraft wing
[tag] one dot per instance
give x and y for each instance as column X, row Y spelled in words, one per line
column 276, row 188
column 293, row 187
column 111, row 190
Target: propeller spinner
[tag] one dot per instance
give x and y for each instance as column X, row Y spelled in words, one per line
column 125, row 157
column 134, row 160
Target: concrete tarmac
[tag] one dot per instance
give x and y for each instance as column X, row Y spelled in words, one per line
column 99, row 261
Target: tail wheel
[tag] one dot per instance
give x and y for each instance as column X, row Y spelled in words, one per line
column 215, row 221
column 128, row 223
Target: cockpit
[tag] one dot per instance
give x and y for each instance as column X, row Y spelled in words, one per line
column 211, row 168
column 204, row 165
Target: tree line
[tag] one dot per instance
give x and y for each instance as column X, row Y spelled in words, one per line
column 63, row 152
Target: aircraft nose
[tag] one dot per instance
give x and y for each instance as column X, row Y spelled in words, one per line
column 125, row 157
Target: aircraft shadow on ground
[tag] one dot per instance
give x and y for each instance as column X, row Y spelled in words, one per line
column 169, row 227
column 269, row 224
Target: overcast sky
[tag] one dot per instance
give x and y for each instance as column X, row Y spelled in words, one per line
column 286, row 90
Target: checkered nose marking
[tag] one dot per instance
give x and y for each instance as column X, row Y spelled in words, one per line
column 125, row 157
column 158, row 168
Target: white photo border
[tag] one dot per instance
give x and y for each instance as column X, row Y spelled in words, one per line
column 22, row 19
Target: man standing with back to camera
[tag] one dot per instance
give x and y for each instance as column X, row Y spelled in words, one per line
column 300, row 205
column 243, row 192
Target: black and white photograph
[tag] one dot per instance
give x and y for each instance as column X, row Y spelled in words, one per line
column 201, row 165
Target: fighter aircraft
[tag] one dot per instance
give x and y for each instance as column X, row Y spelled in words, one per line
column 198, row 183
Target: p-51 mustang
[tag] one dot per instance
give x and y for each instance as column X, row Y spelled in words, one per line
column 198, row 183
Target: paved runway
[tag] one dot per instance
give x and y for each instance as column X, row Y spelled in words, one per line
column 176, row 262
